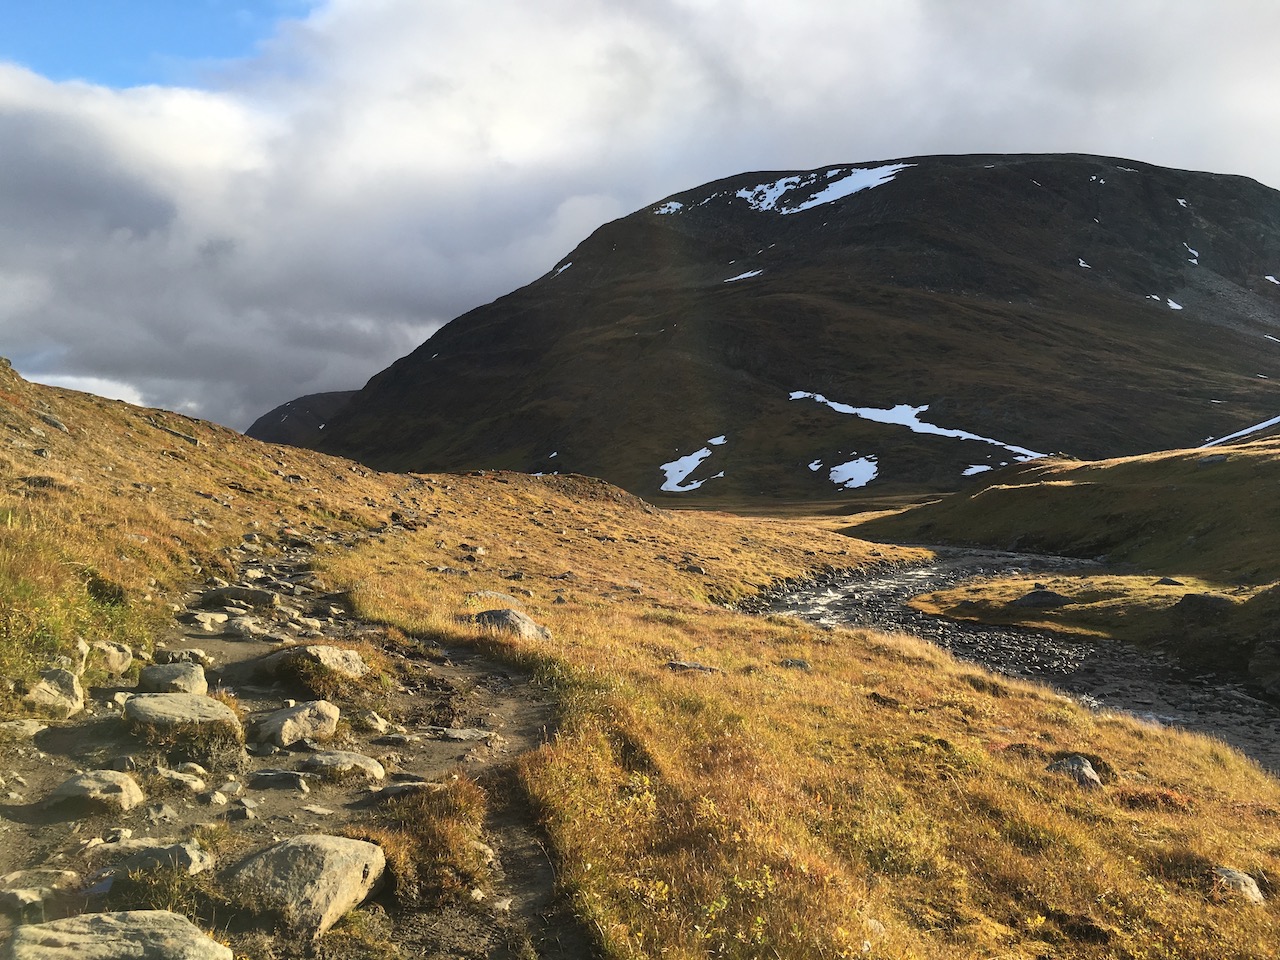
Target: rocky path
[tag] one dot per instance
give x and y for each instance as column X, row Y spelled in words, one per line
column 261, row 738
column 1112, row 676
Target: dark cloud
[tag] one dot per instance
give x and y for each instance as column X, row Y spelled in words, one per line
column 379, row 169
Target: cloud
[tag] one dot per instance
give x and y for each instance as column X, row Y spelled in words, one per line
column 378, row 167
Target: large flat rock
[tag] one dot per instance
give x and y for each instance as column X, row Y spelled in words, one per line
column 168, row 710
column 133, row 935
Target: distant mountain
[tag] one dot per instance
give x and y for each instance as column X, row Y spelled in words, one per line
column 897, row 325
column 300, row 423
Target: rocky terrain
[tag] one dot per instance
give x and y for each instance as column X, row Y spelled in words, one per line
column 221, row 778
column 879, row 327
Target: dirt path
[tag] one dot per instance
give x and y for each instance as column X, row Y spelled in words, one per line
column 1112, row 676
column 450, row 710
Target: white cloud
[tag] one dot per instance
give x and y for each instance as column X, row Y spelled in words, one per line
column 380, row 166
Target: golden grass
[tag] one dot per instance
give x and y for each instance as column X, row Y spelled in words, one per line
column 888, row 801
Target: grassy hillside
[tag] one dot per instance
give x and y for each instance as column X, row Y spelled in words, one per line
column 812, row 794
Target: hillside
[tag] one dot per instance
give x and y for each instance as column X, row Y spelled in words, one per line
column 895, row 327
column 299, row 422
column 707, row 783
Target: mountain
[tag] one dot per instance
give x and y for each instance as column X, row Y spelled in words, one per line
column 298, row 423
column 898, row 325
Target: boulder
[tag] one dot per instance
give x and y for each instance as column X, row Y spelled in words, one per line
column 20, row 729
column 173, row 678
column 177, row 711
column 342, row 763
column 1079, row 769
column 107, row 790
column 207, row 620
column 347, row 663
column 27, row 894
column 116, row 657
column 1041, row 600
column 506, row 620
column 1240, row 884
column 313, row 720
column 57, row 694
column 1199, row 607
column 1264, row 666
column 188, row 857
column 310, row 880
column 135, row 935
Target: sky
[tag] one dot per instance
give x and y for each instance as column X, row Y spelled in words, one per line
column 216, row 206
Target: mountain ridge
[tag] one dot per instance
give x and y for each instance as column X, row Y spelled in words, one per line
column 1055, row 303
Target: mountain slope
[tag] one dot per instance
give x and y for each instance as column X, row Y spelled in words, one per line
column 298, row 423
column 1049, row 303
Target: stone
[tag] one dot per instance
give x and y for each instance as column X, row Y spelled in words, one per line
column 57, row 694
column 312, row 720
column 460, row 734
column 26, row 894
column 1240, row 883
column 20, row 729
column 185, row 781
column 310, row 880
column 188, row 655
column 369, row 721
column 206, row 620
column 347, row 663
column 247, row 628
column 342, row 763
column 108, row 790
column 254, row 596
column 1264, row 666
column 393, row 791
column 134, row 934
column 286, row 779
column 687, row 666
column 1203, row 606
column 173, row 678
column 188, row 857
column 1079, row 769
column 116, row 657
column 1168, row 582
column 1041, row 600
column 177, row 711
column 795, row 663
column 77, row 659
column 515, row 622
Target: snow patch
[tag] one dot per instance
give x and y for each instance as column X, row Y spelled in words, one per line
column 1271, row 278
column 827, row 187
column 1083, row 264
column 1243, row 433
column 678, row 470
column 908, row 416
column 563, row 269
column 1172, row 305
column 815, row 466
column 1182, row 202
column 1194, row 253
column 745, row 276
column 1270, row 337
column 551, row 456
column 976, row 468
column 854, row 474
column 1127, row 169
column 671, row 206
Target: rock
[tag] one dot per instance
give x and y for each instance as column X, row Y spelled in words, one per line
column 248, row 628
column 1240, row 884
column 462, row 734
column 1203, row 606
column 1168, row 582
column 27, row 894
column 347, row 663
column 76, row 660
column 187, row 857
column 511, row 621
column 20, row 729
column 795, row 663
column 176, row 712
column 686, row 666
column 107, row 790
column 342, row 763
column 1212, row 459
column 286, row 779
column 173, row 678
column 1264, row 666
column 311, row 880
column 254, row 596
column 369, row 721
column 1041, row 599
column 185, row 781
column 58, row 694
column 133, row 935
column 207, row 620
column 188, row 655
column 116, row 657
column 313, row 720
column 1079, row 769
column 394, row 790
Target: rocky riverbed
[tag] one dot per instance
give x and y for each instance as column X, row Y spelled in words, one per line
column 1147, row 683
